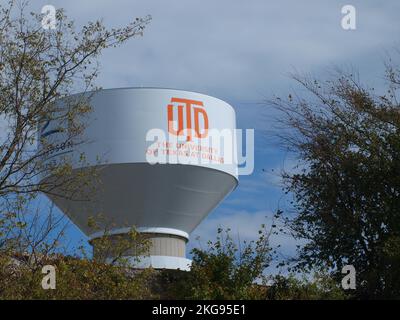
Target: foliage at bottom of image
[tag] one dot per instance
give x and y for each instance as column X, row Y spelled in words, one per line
column 75, row 279
column 221, row 271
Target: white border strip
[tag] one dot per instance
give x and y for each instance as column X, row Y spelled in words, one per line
column 160, row 262
column 174, row 232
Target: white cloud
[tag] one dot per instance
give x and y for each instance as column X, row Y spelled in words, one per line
column 235, row 50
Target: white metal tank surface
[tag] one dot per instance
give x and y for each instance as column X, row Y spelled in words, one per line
column 165, row 201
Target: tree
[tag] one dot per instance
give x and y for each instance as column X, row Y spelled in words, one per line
column 37, row 67
column 31, row 239
column 321, row 286
column 346, row 187
column 75, row 279
column 224, row 270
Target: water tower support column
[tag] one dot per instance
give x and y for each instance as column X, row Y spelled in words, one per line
column 167, row 248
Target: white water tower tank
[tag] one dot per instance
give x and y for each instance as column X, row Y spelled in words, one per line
column 164, row 201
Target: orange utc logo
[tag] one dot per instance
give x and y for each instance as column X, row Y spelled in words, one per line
column 180, row 104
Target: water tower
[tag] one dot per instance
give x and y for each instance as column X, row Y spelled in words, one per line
column 166, row 200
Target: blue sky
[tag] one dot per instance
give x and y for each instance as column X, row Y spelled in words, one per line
column 241, row 52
